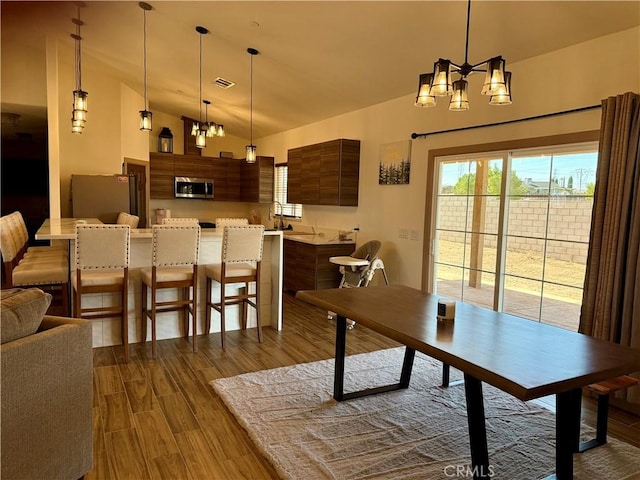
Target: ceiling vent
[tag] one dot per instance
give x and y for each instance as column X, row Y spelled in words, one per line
column 223, row 83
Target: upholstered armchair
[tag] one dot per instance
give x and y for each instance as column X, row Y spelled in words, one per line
column 46, row 390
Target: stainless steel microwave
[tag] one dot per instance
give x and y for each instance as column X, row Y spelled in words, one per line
column 188, row 187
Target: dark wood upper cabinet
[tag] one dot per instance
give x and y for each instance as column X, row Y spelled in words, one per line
column 325, row 173
column 219, row 167
column 161, row 175
column 190, row 141
column 193, row 166
column 234, row 180
column 311, row 174
column 257, row 180
column 294, row 175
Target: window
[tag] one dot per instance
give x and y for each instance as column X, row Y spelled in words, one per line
column 512, row 230
column 291, row 210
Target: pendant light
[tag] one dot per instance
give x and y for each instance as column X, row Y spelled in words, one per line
column 79, row 114
column 145, row 114
column 199, row 129
column 251, row 148
column 439, row 83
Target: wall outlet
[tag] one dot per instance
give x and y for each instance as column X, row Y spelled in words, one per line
column 403, row 233
column 414, row 235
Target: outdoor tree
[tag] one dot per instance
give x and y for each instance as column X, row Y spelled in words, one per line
column 570, row 182
column 466, row 183
column 591, row 187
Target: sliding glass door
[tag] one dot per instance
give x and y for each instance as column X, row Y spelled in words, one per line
column 512, row 230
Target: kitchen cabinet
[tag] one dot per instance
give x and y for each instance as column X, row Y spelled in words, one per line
column 234, row 180
column 193, row 166
column 219, row 175
column 161, row 177
column 307, row 266
column 325, row 173
column 311, row 174
column 294, row 175
column 257, row 180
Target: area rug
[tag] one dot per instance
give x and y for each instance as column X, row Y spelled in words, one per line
column 418, row 433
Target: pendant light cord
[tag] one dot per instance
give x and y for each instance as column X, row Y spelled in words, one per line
column 144, row 55
column 78, row 40
column 466, row 45
column 251, row 100
column 200, row 114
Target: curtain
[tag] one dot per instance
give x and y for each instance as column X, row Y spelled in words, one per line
column 611, row 299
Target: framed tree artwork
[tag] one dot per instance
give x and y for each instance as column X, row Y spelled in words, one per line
column 395, row 163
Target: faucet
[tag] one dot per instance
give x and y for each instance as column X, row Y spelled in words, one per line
column 279, row 226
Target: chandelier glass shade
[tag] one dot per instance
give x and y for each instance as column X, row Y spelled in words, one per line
column 79, row 106
column 145, row 114
column 497, row 81
column 503, row 98
column 251, row 148
column 459, row 100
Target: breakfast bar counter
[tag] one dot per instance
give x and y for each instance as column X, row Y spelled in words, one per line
column 107, row 331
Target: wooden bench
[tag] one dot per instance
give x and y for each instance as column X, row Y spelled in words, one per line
column 604, row 390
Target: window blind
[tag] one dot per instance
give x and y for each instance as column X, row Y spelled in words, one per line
column 293, row 210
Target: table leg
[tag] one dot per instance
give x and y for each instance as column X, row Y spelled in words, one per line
column 477, row 428
column 407, row 366
column 341, row 344
column 338, row 379
column 568, row 405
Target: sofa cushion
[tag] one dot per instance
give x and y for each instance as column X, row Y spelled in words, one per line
column 21, row 312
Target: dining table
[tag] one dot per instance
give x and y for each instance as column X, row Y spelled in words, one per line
column 524, row 358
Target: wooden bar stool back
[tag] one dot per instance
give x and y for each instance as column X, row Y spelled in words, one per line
column 102, row 266
column 242, row 248
column 174, row 266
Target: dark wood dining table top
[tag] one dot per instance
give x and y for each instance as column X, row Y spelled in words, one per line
column 525, row 358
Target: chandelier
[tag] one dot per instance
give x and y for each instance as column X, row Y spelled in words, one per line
column 497, row 82
column 199, row 129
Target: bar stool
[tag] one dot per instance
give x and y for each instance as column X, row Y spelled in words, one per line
column 242, row 248
column 125, row 218
column 223, row 222
column 102, row 266
column 180, row 221
column 174, row 265
column 47, row 272
column 18, row 229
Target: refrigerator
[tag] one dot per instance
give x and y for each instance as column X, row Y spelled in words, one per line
column 103, row 196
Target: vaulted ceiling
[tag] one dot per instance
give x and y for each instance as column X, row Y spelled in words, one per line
column 317, row 59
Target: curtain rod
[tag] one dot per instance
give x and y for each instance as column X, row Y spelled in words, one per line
column 546, row 115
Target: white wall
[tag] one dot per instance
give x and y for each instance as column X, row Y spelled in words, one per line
column 570, row 78
column 134, row 143
column 111, row 131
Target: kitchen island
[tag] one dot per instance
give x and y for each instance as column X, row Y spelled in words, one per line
column 306, row 261
column 107, row 331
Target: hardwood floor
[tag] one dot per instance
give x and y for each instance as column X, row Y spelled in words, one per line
column 161, row 418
